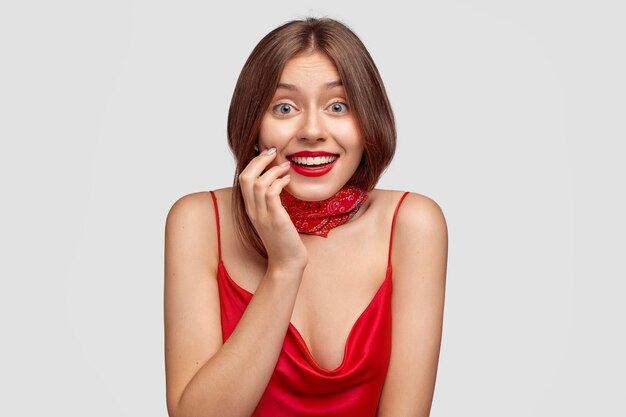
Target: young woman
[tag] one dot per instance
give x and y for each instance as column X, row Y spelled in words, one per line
column 283, row 296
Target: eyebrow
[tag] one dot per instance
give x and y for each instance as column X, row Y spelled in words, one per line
column 292, row 87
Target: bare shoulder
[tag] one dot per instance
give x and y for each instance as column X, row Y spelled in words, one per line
column 191, row 226
column 190, row 202
column 415, row 207
column 195, row 209
column 420, row 224
column 420, row 213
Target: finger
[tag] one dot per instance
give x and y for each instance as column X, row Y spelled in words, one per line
column 273, row 203
column 249, row 175
column 257, row 165
column 263, row 183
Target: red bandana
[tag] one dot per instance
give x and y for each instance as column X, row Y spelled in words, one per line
column 318, row 217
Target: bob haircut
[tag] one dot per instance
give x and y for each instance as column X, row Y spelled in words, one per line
column 257, row 84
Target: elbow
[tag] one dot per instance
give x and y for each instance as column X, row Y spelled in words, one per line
column 173, row 409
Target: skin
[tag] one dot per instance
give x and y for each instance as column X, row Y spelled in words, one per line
column 326, row 287
column 312, row 117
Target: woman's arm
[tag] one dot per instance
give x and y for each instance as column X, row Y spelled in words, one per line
column 205, row 377
column 420, row 252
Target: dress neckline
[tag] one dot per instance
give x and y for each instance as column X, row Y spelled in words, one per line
column 298, row 335
column 294, row 330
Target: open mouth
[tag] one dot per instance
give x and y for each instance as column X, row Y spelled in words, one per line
column 313, row 166
column 313, row 162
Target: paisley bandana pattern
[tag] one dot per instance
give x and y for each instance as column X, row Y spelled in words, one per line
column 319, row 217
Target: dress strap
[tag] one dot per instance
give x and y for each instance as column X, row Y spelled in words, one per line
column 217, row 222
column 393, row 223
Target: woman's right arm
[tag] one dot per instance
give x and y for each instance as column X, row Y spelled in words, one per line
column 205, row 377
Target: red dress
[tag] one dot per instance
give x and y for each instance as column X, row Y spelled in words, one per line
column 299, row 387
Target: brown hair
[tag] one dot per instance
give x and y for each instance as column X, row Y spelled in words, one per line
column 257, row 84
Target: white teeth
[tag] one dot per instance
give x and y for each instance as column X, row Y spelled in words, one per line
column 313, row 161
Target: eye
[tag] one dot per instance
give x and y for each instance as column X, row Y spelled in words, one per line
column 337, row 106
column 282, row 108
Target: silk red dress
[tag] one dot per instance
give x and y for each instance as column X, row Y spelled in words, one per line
column 299, row 387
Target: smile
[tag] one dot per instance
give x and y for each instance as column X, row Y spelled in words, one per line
column 313, row 167
column 313, row 161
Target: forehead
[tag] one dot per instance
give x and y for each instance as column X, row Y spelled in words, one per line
column 310, row 69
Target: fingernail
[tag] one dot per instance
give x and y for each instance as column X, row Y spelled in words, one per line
column 284, row 164
column 270, row 150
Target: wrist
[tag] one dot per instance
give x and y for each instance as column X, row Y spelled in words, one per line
column 285, row 271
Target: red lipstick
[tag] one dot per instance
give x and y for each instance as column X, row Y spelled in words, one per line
column 311, row 154
column 312, row 171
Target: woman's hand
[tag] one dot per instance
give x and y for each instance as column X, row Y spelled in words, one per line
column 261, row 194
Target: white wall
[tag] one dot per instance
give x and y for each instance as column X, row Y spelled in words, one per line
column 509, row 116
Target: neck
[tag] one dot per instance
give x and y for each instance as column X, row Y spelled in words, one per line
column 319, row 217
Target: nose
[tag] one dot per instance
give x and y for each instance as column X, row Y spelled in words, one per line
column 312, row 128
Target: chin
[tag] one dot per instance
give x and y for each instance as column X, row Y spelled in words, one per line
column 312, row 192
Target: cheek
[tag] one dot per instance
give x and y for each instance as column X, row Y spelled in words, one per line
column 350, row 136
column 274, row 132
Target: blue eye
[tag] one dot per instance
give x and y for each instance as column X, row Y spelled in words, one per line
column 337, row 106
column 283, row 108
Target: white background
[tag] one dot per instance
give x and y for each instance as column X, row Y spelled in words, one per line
column 509, row 116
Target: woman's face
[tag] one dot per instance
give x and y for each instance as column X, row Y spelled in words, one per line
column 310, row 112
